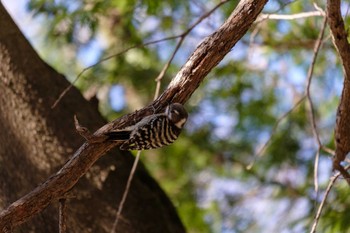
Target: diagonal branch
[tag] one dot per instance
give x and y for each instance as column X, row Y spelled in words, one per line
column 332, row 180
column 206, row 56
column 342, row 128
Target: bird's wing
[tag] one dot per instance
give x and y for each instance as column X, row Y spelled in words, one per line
column 126, row 133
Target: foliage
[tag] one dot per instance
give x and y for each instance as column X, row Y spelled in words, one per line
column 243, row 103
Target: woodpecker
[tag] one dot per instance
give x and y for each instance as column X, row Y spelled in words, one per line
column 153, row 131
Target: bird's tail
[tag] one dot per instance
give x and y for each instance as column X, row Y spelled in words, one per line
column 118, row 135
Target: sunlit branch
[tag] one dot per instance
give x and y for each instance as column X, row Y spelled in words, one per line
column 316, row 164
column 291, row 16
column 319, row 12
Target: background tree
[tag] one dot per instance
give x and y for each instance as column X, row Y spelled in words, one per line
column 255, row 155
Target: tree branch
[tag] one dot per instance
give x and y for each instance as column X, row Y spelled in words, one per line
column 206, row 56
column 291, row 16
column 342, row 128
column 331, row 182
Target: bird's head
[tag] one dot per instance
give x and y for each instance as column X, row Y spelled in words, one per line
column 177, row 114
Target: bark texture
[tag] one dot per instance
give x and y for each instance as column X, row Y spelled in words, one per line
column 342, row 129
column 34, row 86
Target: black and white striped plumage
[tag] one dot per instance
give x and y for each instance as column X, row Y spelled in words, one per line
column 153, row 131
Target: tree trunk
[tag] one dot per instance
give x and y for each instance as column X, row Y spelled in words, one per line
column 37, row 140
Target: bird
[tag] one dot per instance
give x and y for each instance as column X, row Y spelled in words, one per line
column 153, row 131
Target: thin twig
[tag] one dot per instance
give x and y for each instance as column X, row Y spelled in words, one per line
column 125, row 194
column 311, row 113
column 319, row 12
column 64, row 92
column 166, row 66
column 317, row 158
column 320, row 208
column 62, row 216
column 273, row 131
column 85, row 133
column 291, row 16
column 308, row 84
column 182, row 38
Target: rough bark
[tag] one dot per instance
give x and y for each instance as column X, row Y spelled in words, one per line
column 342, row 128
column 60, row 139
